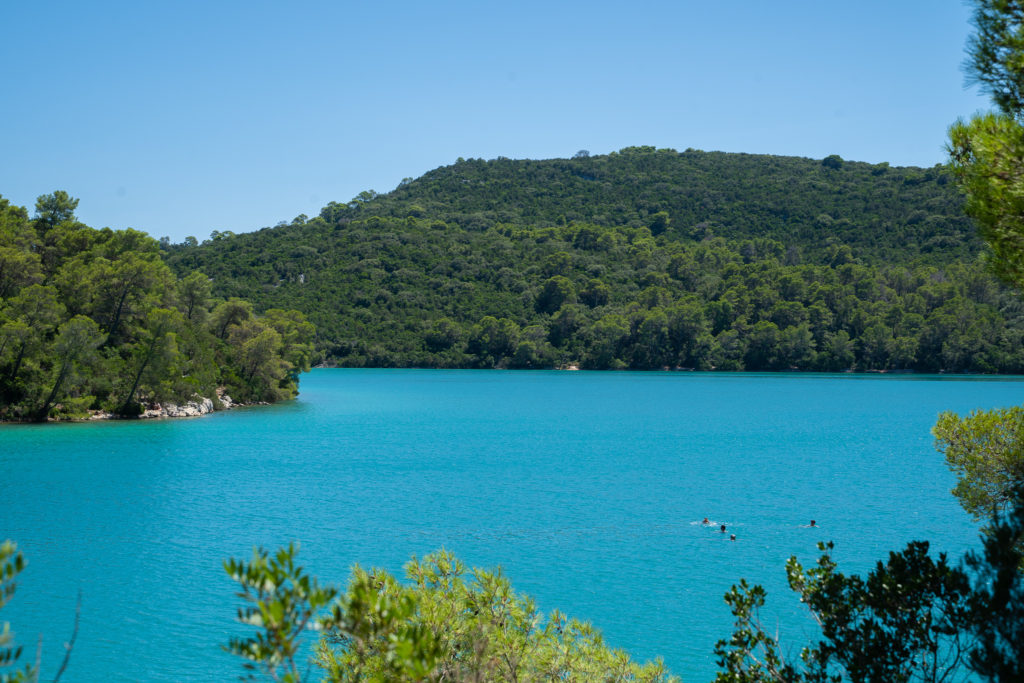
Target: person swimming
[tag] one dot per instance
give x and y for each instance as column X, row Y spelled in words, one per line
column 705, row 521
column 732, row 537
column 813, row 523
column 722, row 529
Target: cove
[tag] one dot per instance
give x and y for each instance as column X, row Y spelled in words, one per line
column 586, row 487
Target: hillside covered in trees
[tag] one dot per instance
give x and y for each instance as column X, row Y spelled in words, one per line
column 640, row 259
column 95, row 320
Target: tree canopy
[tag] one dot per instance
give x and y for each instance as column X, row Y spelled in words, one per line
column 96, row 320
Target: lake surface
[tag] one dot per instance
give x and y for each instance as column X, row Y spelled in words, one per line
column 587, row 488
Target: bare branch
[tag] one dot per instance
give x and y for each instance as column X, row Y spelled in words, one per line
column 68, row 646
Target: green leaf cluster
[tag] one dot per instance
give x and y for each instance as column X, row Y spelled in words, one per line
column 447, row 624
column 912, row 618
column 986, row 154
column 986, row 451
column 281, row 600
column 12, row 562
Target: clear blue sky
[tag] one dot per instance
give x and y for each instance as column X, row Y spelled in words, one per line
column 179, row 118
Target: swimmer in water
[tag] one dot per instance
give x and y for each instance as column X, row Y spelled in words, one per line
column 722, row 529
column 813, row 523
column 705, row 521
column 732, row 537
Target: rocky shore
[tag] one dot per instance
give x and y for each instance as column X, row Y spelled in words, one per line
column 195, row 408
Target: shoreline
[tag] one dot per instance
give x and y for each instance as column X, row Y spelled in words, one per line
column 576, row 367
column 200, row 406
column 197, row 407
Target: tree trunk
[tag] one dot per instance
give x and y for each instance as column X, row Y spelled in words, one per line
column 116, row 322
column 44, row 411
column 138, row 377
column 17, row 362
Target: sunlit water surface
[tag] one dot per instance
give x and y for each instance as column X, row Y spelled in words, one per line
column 586, row 487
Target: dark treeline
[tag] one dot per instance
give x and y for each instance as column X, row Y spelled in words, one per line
column 95, row 320
column 640, row 259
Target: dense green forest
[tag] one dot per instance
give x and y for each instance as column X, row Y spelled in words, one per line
column 94, row 320
column 644, row 258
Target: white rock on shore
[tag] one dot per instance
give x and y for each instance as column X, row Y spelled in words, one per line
column 225, row 401
column 200, row 406
column 190, row 409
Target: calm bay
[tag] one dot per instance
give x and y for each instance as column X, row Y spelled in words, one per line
column 587, row 488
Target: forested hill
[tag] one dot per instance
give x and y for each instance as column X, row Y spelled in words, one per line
column 643, row 258
column 806, row 203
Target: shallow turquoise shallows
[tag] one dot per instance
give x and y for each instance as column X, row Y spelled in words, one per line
column 587, row 488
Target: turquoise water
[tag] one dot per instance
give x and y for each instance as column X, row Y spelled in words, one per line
column 586, row 487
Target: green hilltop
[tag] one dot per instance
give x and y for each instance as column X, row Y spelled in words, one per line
column 643, row 258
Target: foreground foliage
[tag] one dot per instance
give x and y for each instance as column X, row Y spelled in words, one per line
column 94, row 319
column 11, row 564
column 448, row 624
column 907, row 620
column 998, row 600
column 283, row 601
column 912, row 618
column 986, row 448
column 986, row 451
